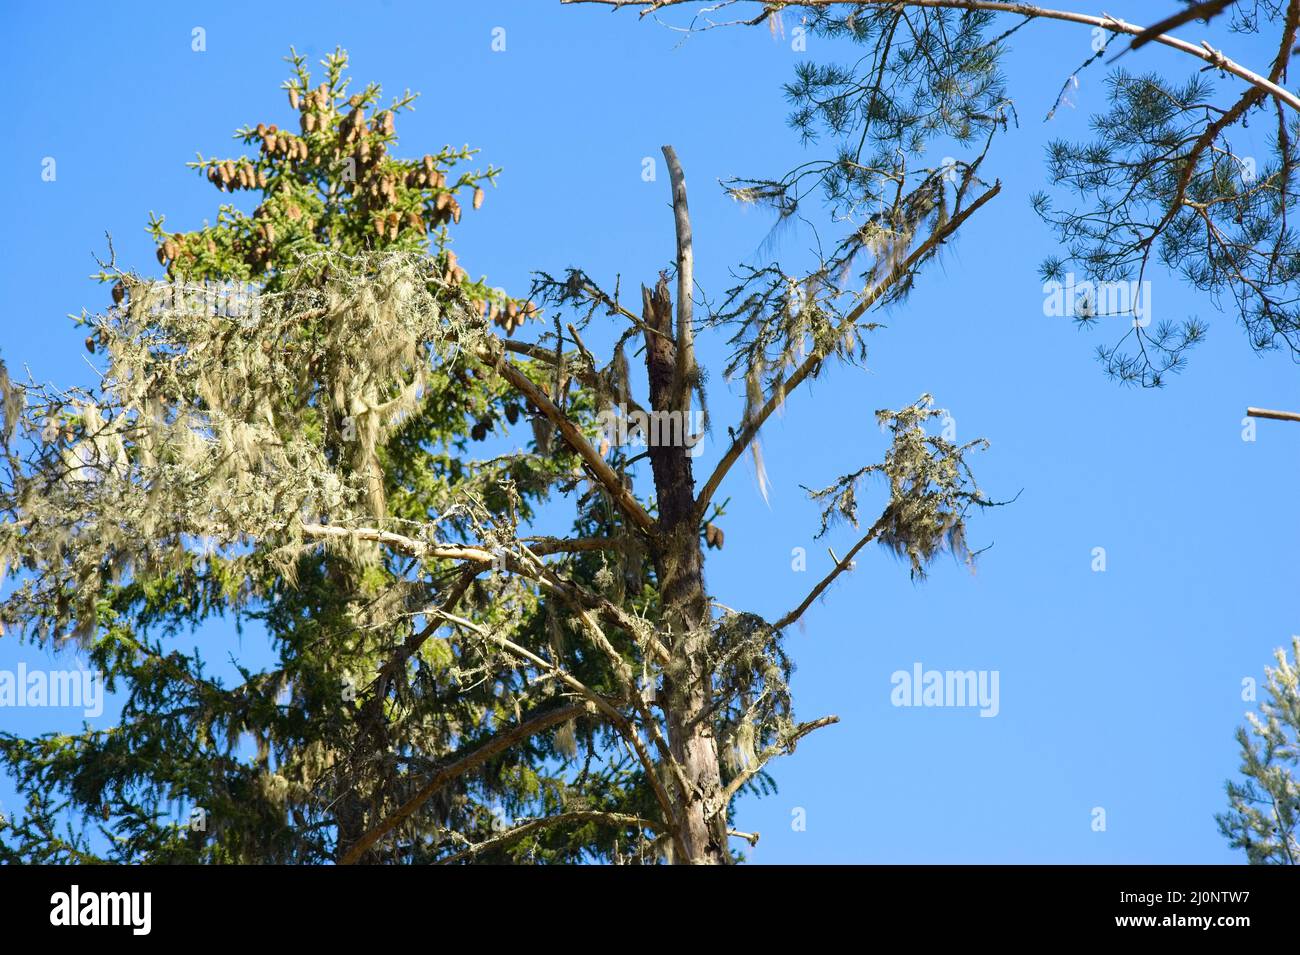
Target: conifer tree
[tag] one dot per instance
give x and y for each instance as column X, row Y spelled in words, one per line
column 301, row 458
column 282, row 765
column 1265, row 807
column 1264, row 819
column 452, row 684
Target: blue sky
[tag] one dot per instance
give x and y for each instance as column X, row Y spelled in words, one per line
column 1118, row 689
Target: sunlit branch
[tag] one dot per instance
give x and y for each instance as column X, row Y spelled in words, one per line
column 784, row 388
column 826, row 581
column 621, row 820
column 607, row 476
column 785, row 745
column 1202, row 51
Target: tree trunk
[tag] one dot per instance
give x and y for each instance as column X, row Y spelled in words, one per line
column 679, row 565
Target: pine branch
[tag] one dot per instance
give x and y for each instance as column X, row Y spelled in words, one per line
column 1202, row 51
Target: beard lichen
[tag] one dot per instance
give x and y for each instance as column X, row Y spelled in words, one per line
column 230, row 426
column 931, row 490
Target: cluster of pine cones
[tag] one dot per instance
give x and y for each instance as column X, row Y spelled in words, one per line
column 512, row 316
column 236, row 174
column 276, row 142
column 376, row 185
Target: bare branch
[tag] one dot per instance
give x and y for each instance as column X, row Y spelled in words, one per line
column 685, row 286
column 750, row 837
column 1276, row 415
column 826, row 581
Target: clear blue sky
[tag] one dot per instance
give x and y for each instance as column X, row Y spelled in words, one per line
column 1118, row 689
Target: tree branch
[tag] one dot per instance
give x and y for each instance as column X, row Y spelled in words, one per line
column 786, row 745
column 570, row 591
column 619, row 721
column 750, row 837
column 1276, row 415
column 574, row 439
column 581, row 599
column 416, row 548
column 498, row 743
column 826, row 581
column 587, row 376
column 752, row 426
column 622, row 820
column 1202, row 51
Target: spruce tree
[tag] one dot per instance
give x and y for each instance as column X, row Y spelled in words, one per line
column 453, row 685
column 283, row 765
